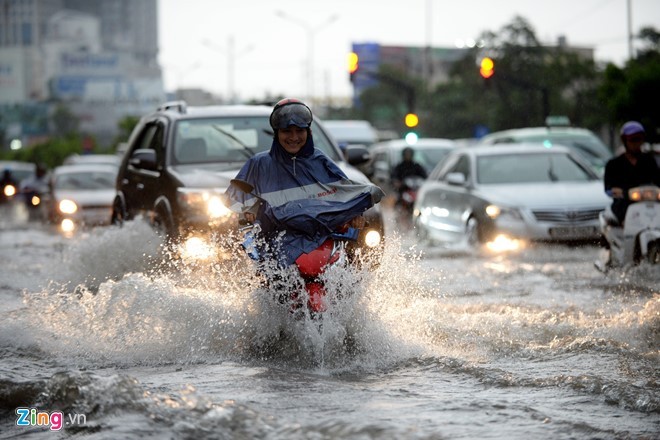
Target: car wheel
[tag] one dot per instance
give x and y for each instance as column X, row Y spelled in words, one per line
column 119, row 213
column 472, row 232
column 164, row 224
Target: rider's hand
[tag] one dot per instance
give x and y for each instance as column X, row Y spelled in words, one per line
column 358, row 222
column 617, row 193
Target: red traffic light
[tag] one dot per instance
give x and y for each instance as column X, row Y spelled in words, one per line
column 487, row 68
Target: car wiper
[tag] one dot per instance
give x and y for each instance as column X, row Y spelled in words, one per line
column 246, row 150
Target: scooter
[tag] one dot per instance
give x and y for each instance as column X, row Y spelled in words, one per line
column 310, row 266
column 411, row 186
column 639, row 238
column 35, row 196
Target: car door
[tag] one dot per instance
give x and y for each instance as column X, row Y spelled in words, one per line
column 451, row 195
column 141, row 183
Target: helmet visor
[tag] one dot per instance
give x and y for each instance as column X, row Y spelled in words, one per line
column 291, row 114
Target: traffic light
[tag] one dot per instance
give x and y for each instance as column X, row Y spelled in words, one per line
column 411, row 120
column 353, row 65
column 487, row 67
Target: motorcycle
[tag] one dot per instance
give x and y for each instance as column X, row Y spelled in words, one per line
column 639, row 238
column 35, row 196
column 309, row 266
column 411, row 186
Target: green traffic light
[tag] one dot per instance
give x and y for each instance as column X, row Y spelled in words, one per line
column 411, row 138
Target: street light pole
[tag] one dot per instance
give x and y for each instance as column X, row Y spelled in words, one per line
column 311, row 32
column 231, row 60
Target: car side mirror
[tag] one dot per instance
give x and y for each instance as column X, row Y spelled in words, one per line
column 144, row 159
column 457, row 179
column 357, row 154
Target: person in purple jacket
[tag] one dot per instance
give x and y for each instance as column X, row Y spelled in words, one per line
column 303, row 195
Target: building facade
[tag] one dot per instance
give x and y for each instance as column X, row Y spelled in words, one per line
column 99, row 58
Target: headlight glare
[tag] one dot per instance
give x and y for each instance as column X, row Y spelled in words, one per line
column 68, row 206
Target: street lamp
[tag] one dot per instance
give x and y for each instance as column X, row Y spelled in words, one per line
column 231, row 58
column 311, row 32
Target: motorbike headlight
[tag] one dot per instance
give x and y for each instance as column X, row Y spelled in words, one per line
column 68, row 206
column 9, row 190
column 647, row 193
column 372, row 238
column 207, row 201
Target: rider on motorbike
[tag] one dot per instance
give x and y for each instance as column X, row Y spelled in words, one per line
column 628, row 170
column 405, row 169
column 303, row 195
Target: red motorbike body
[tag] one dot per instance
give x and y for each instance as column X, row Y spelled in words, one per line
column 311, row 266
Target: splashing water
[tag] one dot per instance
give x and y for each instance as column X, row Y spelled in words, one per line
column 112, row 300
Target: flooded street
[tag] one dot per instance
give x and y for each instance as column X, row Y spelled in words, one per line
column 446, row 344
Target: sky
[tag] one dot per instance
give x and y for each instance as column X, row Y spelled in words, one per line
column 250, row 48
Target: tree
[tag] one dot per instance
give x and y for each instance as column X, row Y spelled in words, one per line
column 65, row 123
column 633, row 92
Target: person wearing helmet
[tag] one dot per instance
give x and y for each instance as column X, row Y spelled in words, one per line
column 405, row 169
column 630, row 169
column 303, row 194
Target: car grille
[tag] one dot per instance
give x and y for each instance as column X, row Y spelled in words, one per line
column 567, row 216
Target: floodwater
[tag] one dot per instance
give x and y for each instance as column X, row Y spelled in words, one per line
column 104, row 341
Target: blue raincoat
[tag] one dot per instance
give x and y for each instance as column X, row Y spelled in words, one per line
column 305, row 197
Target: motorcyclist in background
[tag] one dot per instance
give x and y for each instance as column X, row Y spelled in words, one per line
column 8, row 186
column 630, row 169
column 37, row 183
column 34, row 191
column 404, row 169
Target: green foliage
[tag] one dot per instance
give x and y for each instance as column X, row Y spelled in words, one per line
column 633, row 92
column 126, row 126
column 52, row 152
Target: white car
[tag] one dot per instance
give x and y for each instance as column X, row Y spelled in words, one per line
column 522, row 191
column 82, row 195
column 580, row 140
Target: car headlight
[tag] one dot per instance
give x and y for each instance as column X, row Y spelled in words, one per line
column 434, row 211
column 495, row 212
column 208, row 201
column 67, row 206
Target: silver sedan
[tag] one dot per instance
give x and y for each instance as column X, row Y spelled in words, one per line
column 510, row 191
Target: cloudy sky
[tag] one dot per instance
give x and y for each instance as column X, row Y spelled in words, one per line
column 253, row 47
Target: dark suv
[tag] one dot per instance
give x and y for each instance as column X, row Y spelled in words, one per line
column 180, row 159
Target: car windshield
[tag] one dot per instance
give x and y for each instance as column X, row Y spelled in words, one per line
column 529, row 168
column 591, row 148
column 85, row 180
column 231, row 139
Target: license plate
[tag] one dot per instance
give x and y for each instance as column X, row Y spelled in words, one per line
column 573, row 231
